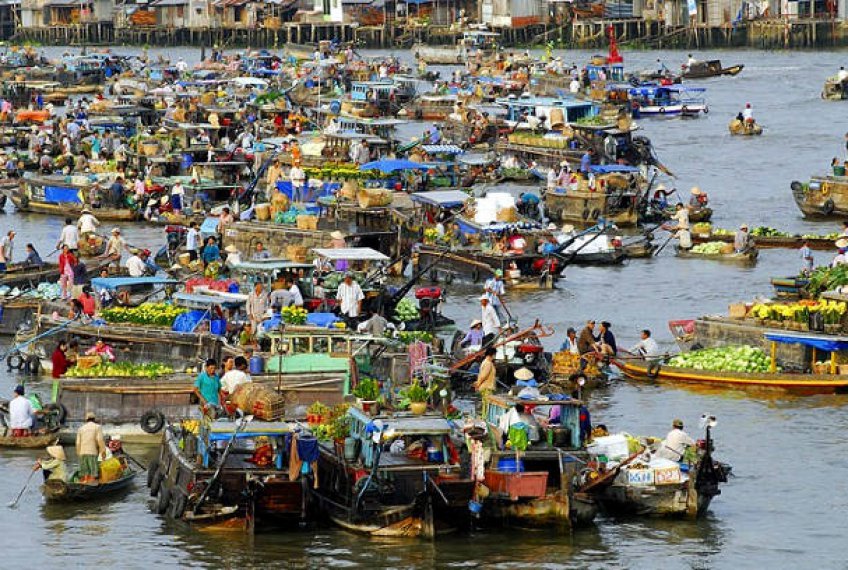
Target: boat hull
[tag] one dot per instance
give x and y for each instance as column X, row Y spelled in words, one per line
column 745, row 258
column 824, row 197
column 70, row 209
column 29, row 442
column 802, row 384
column 56, row 491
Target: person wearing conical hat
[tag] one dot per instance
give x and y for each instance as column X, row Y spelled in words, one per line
column 842, row 254
column 742, row 240
column 53, row 467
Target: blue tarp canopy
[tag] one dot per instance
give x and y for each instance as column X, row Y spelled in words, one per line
column 116, row 282
column 442, row 149
column 817, row 342
column 62, row 194
column 608, row 168
column 441, row 198
column 393, row 164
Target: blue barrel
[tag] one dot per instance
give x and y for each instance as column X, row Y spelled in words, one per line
column 336, row 107
column 510, row 464
column 257, row 364
column 233, row 288
column 218, row 326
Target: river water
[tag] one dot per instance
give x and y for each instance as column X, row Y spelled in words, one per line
column 784, row 508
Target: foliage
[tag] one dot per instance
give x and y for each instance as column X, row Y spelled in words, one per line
column 157, row 314
column 416, row 392
column 120, row 369
column 367, row 389
column 318, row 408
column 293, row 315
column 827, row 279
column 831, row 311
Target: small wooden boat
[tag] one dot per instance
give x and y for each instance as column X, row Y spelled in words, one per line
column 22, row 275
column 740, row 129
column 58, row 491
column 56, row 195
column 711, row 68
column 802, row 384
column 748, row 256
column 36, row 441
column 834, row 89
column 823, row 197
column 771, row 242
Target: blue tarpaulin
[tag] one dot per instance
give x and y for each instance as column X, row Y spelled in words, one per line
column 817, row 342
column 607, row 168
column 326, row 190
column 394, row 164
column 115, row 282
column 62, row 194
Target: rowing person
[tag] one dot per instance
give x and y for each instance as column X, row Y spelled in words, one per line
column 742, row 240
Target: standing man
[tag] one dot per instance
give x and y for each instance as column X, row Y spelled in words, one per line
column 87, row 224
column 257, row 305
column 90, row 444
column 491, row 322
column 681, row 216
column 69, row 236
column 207, row 386
column 235, row 377
column 806, row 258
column 20, row 414
column 298, row 180
column 494, row 289
column 192, row 241
column 350, row 297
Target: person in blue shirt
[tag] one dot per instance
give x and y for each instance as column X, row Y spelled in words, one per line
column 207, row 386
column 586, row 161
column 211, row 252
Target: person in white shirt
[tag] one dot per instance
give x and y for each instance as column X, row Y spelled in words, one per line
column 257, row 305
column 69, row 236
column 494, row 290
column 177, row 197
column 8, row 244
column 842, row 75
column 673, row 447
column 181, row 66
column 235, row 377
column 350, row 297
column 691, row 61
column 298, row 179
column 491, row 322
column 87, row 224
column 20, row 414
column 137, row 264
column 296, row 296
column 570, row 342
column 192, row 241
column 748, row 113
column 574, row 86
column 647, row 347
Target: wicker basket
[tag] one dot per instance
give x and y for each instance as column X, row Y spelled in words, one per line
column 509, row 214
column 260, row 401
column 307, row 222
column 86, row 362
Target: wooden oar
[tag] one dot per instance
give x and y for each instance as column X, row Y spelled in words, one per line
column 134, row 460
column 665, row 243
column 14, row 503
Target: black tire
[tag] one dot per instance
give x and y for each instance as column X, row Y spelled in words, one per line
column 828, row 207
column 162, row 501
column 796, row 186
column 654, row 370
column 15, row 361
column 152, row 421
column 152, row 471
column 155, row 483
column 662, row 110
column 434, row 276
column 61, row 411
column 24, row 202
column 475, row 275
column 178, row 505
column 585, row 214
column 34, row 364
column 596, row 213
column 529, row 358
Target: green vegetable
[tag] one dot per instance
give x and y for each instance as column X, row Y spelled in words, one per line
column 406, row 310
column 742, row 358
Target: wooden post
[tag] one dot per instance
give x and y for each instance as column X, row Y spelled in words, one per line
column 833, row 362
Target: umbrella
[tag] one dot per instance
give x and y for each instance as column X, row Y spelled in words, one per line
column 393, row 164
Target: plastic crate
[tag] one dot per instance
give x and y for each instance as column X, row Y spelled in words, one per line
column 525, row 485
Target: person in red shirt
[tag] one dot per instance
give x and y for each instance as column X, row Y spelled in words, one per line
column 87, row 300
column 67, row 262
column 60, row 359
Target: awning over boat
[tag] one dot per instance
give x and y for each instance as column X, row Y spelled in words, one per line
column 441, row 198
column 116, row 282
column 608, row 168
column 198, row 301
column 828, row 344
column 351, row 254
column 394, row 164
column 269, row 265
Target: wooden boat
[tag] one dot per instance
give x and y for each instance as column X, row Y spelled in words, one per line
column 797, row 383
column 745, row 257
column 56, row 491
column 473, row 265
column 543, row 494
column 834, row 89
column 42, row 195
column 823, row 197
column 21, row 275
column 617, row 205
column 645, row 484
column 771, row 242
column 41, row 440
column 472, row 44
column 740, row 129
column 431, row 107
column 399, row 495
column 711, row 68
column 192, row 469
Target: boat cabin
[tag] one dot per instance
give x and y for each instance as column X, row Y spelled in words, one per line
column 557, row 112
column 610, row 71
column 274, row 270
column 652, row 99
column 479, row 40
column 132, row 291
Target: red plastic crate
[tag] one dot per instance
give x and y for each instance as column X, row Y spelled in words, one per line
column 532, row 484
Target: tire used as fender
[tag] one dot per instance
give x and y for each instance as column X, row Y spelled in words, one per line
column 15, row 361
column 828, row 207
column 152, row 421
column 60, row 409
column 33, row 364
column 152, row 471
column 162, row 501
column 177, row 505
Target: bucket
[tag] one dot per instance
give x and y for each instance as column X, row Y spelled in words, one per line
column 475, row 507
column 257, row 364
column 351, row 448
column 184, row 259
column 510, row 464
column 233, row 288
column 218, row 326
column 263, row 212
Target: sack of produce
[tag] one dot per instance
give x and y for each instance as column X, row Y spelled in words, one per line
column 296, row 253
column 110, row 470
column 350, row 189
column 727, row 248
column 307, row 222
column 508, row 214
column 374, row 197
